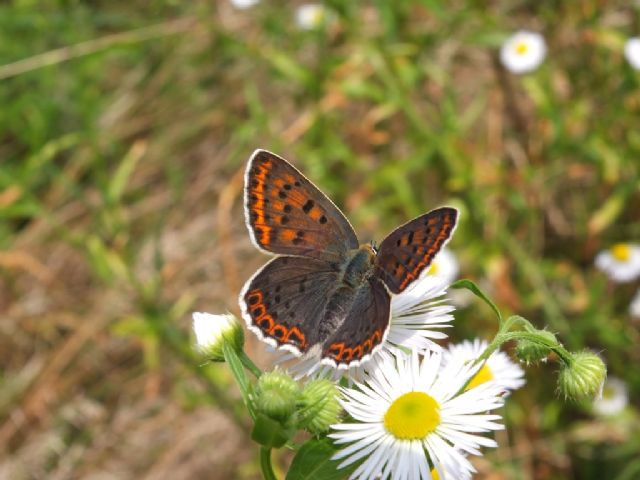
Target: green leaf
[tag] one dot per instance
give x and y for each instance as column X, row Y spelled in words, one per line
column 269, row 432
column 239, row 374
column 313, row 460
column 472, row 287
column 124, row 172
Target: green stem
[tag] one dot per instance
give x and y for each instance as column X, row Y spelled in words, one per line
column 249, row 365
column 564, row 355
column 473, row 288
column 529, row 333
column 265, row 464
column 531, row 268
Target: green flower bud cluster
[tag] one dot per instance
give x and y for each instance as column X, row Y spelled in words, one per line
column 320, row 406
column 288, row 407
column 583, row 376
column 533, row 352
column 276, row 395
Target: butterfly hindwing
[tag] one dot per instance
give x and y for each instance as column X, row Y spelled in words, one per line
column 284, row 302
column 287, row 214
column 410, row 248
column 364, row 327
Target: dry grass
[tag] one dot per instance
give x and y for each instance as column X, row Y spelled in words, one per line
column 121, row 204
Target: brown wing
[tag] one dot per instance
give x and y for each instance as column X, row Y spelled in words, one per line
column 287, row 214
column 364, row 328
column 409, row 249
column 284, row 302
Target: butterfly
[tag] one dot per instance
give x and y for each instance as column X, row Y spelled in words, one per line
column 324, row 293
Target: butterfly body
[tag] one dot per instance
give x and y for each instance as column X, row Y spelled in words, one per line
column 325, row 294
column 355, row 273
column 359, row 265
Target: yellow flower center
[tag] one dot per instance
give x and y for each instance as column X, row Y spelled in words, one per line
column 608, row 393
column 317, row 17
column 434, row 474
column 621, row 252
column 412, row 416
column 522, row 48
column 484, row 375
column 433, row 270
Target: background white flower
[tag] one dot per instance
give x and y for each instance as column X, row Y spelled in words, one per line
column 614, row 399
column 499, row 369
column 244, row 4
column 632, row 52
column 634, row 307
column 621, row 262
column 445, row 265
column 310, row 16
column 523, row 52
column 407, row 407
column 452, row 472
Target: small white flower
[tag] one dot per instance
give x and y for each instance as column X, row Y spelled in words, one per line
column 632, row 52
column 499, row 369
column 244, row 4
column 621, row 262
column 213, row 330
column 634, row 307
column 614, row 398
column 310, row 16
column 523, row 52
column 445, row 265
column 417, row 315
column 408, row 416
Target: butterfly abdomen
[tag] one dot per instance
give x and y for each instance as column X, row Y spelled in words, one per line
column 336, row 310
column 357, row 268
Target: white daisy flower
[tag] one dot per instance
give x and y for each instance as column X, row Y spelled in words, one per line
column 499, row 369
column 409, row 418
column 614, row 399
column 445, row 265
column 621, row 262
column 632, row 52
column 523, row 52
column 417, row 315
column 634, row 307
column 213, row 330
column 310, row 16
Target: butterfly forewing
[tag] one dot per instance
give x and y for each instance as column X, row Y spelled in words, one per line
column 287, row 214
column 409, row 249
column 286, row 299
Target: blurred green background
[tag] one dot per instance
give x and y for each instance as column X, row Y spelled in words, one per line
column 124, row 131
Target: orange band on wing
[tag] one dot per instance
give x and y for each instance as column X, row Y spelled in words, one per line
column 257, row 186
column 342, row 353
column 443, row 234
column 278, row 331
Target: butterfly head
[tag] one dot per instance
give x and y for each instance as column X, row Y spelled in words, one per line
column 374, row 246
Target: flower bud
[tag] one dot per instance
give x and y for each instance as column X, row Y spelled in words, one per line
column 530, row 351
column 213, row 330
column 276, row 395
column 583, row 377
column 320, row 406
